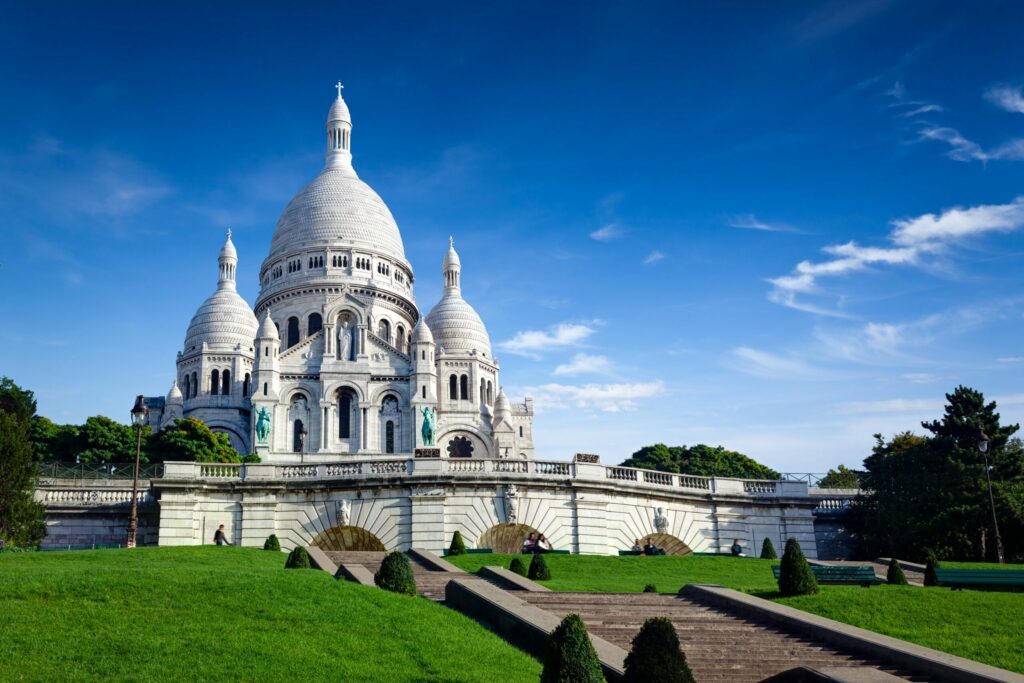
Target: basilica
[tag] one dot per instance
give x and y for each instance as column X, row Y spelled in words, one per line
column 335, row 358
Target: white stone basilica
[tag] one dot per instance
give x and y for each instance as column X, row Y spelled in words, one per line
column 335, row 358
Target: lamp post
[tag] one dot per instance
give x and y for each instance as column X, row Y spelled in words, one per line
column 139, row 412
column 983, row 444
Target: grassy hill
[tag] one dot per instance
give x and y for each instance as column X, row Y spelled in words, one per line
column 212, row 613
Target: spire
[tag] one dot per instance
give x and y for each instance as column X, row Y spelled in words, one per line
column 227, row 262
column 451, row 268
column 339, row 131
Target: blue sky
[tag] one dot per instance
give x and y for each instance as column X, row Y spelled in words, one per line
column 781, row 227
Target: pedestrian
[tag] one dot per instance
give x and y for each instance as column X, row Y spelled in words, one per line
column 219, row 538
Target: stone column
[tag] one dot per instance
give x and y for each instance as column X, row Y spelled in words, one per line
column 590, row 523
column 258, row 518
column 427, row 526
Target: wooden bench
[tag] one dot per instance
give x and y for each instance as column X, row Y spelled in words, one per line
column 840, row 575
column 473, row 551
column 1012, row 579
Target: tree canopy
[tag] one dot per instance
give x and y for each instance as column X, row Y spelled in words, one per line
column 191, row 439
column 21, row 518
column 841, row 478
column 699, row 460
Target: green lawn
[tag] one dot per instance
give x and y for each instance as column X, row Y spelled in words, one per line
column 209, row 613
column 978, row 565
column 629, row 574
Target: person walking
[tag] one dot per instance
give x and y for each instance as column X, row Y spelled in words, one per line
column 219, row 537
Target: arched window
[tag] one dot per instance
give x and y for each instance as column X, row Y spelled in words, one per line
column 214, row 382
column 490, row 393
column 345, row 415
column 315, row 324
column 460, row 447
column 245, row 385
column 520, row 430
column 225, row 383
column 453, row 388
column 195, row 385
column 389, row 437
column 264, row 388
column 187, row 387
column 298, row 430
column 400, row 337
column 483, row 390
column 384, row 331
column 464, row 387
column 293, row 331
column 424, row 391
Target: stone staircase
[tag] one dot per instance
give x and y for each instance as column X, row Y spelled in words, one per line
column 429, row 582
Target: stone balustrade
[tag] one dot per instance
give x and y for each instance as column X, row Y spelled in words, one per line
column 546, row 469
column 91, row 497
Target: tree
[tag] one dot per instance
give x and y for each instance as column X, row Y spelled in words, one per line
column 395, row 574
column 104, row 440
column 516, row 566
column 54, row 442
column 699, row 460
column 539, row 569
column 655, row 655
column 842, row 478
column 458, row 547
column 21, row 403
column 191, row 440
column 768, row 550
column 931, row 563
column 895, row 575
column 795, row 575
column 272, row 543
column 298, row 558
column 571, row 657
column 21, row 518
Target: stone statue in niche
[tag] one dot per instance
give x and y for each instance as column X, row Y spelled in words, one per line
column 263, row 426
column 429, row 426
column 345, row 329
column 511, row 504
column 660, row 521
column 344, row 512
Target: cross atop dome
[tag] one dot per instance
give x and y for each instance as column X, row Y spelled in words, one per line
column 339, row 86
column 339, row 131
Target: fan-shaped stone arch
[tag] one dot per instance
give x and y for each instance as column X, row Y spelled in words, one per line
column 667, row 542
column 347, row 538
column 506, row 538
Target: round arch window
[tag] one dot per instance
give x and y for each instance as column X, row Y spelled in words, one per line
column 460, row 447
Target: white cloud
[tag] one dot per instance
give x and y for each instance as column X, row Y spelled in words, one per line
column 608, row 233
column 1010, row 359
column 962, row 149
column 1006, row 97
column 922, row 109
column 890, row 406
column 920, row 377
column 532, row 343
column 749, row 221
column 958, row 222
column 584, row 363
column 654, row 257
column 770, row 365
column 608, row 398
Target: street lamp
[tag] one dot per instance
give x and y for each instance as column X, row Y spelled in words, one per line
column 139, row 413
column 983, row 444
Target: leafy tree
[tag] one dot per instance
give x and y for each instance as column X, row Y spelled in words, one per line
column 517, row 566
column 699, row 460
column 768, row 550
column 655, row 655
column 104, row 440
column 571, row 657
column 458, row 547
column 931, row 563
column 298, row 558
column 21, row 518
column 795, row 575
column 842, row 478
column 539, row 569
column 272, row 543
column 895, row 575
column 395, row 574
column 54, row 442
column 190, row 439
column 21, row 403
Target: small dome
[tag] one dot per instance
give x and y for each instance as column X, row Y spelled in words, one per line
column 223, row 321
column 451, row 259
column 457, row 327
column 174, row 395
column 268, row 330
column 502, row 406
column 339, row 112
column 421, row 333
column 228, row 250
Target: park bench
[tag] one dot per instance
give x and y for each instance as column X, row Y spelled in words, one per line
column 474, row 551
column 981, row 578
column 828, row 574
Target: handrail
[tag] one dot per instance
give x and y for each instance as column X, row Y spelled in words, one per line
column 59, row 470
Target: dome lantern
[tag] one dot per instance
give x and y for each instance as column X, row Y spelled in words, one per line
column 227, row 263
column 451, row 267
column 339, row 133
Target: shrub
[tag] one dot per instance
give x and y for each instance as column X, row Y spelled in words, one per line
column 650, row 588
column 457, row 547
column 395, row 574
column 272, row 543
column 795, row 575
column 768, row 550
column 895, row 574
column 297, row 559
column 931, row 563
column 655, row 655
column 539, row 569
column 517, row 566
column 571, row 657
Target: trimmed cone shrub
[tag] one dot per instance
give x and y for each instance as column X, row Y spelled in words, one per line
column 649, row 588
column 272, row 543
column 395, row 574
column 297, row 559
column 517, row 566
column 930, row 565
column 895, row 576
column 571, row 657
column 458, row 547
column 768, row 550
column 655, row 655
column 539, row 569
column 795, row 575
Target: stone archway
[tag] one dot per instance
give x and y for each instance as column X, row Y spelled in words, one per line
column 347, row 538
column 669, row 543
column 506, row 538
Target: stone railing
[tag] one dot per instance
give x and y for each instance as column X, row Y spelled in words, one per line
column 90, row 497
column 548, row 469
column 832, row 501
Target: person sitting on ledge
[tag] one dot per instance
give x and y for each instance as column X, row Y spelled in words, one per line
column 529, row 545
column 737, row 549
column 651, row 549
column 542, row 545
column 637, row 549
column 219, row 538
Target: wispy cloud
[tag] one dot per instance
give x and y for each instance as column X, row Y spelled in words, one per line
column 1010, row 359
column 608, row 233
column 749, row 221
column 584, row 364
column 836, row 16
column 920, row 377
column 914, row 240
column 963, row 149
column 770, row 365
column 607, row 398
column 1008, row 97
column 890, row 406
column 654, row 257
column 533, row 343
